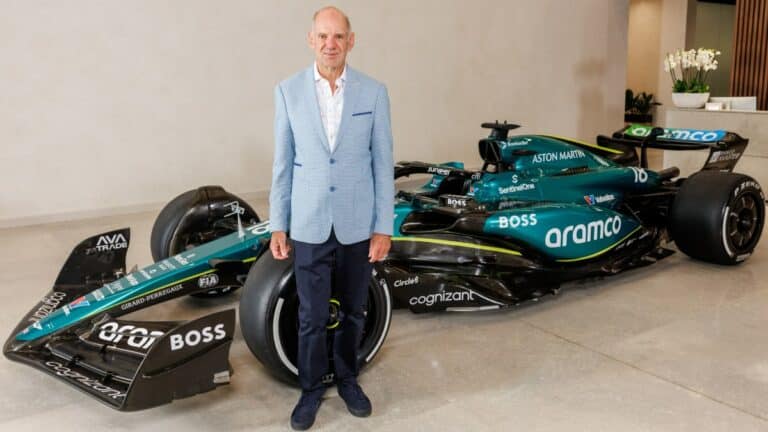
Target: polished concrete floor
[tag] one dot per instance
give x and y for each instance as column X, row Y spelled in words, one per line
column 678, row 346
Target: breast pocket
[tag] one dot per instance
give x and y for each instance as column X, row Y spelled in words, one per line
column 362, row 122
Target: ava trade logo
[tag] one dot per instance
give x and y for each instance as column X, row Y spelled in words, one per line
column 108, row 243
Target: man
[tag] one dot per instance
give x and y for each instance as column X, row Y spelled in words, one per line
column 333, row 191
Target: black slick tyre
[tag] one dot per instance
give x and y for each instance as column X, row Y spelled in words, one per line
column 269, row 317
column 718, row 217
column 196, row 217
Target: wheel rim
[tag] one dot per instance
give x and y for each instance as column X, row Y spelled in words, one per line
column 288, row 326
column 743, row 222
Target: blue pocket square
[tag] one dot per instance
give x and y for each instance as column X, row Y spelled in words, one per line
column 362, row 113
column 296, row 164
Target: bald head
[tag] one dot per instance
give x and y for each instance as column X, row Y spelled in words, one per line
column 332, row 11
column 331, row 39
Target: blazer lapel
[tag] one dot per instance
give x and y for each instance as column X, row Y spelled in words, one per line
column 310, row 96
column 351, row 92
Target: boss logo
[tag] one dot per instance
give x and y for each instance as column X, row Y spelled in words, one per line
column 137, row 337
column 196, row 337
column 515, row 221
column 456, row 202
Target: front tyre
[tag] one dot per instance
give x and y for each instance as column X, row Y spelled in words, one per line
column 269, row 308
column 195, row 217
column 718, row 217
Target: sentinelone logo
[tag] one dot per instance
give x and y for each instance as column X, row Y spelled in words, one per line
column 518, row 188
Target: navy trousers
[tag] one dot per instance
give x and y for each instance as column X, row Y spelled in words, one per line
column 318, row 267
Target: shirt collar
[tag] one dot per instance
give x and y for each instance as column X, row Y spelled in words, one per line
column 342, row 77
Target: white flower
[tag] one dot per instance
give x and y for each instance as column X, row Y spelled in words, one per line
column 689, row 68
column 670, row 62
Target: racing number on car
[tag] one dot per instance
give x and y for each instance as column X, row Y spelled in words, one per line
column 260, row 228
column 640, row 175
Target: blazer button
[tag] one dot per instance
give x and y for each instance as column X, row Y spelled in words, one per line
column 333, row 188
column 333, row 161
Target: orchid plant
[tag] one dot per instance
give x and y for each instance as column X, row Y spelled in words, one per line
column 690, row 69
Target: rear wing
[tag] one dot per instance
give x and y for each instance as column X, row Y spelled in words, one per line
column 725, row 148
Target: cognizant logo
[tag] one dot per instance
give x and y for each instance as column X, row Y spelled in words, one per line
column 443, row 297
column 583, row 233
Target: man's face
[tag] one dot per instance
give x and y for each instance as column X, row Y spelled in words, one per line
column 331, row 40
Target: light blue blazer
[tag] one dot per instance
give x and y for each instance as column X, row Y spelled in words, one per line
column 350, row 189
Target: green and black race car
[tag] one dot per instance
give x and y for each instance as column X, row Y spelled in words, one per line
column 542, row 210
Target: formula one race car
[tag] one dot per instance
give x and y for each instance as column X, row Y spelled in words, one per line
column 542, row 210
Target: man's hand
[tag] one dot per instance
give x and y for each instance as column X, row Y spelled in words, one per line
column 380, row 244
column 279, row 245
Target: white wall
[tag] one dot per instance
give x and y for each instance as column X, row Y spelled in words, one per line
column 110, row 106
column 643, row 56
column 676, row 16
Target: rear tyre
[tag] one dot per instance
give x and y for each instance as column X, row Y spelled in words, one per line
column 195, row 217
column 269, row 308
column 718, row 217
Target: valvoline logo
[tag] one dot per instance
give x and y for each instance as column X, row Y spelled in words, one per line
column 592, row 199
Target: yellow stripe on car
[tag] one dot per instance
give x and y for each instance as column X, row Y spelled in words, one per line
column 602, row 251
column 584, row 143
column 458, row 244
column 105, row 307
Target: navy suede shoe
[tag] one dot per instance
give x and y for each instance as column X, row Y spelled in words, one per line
column 303, row 415
column 357, row 402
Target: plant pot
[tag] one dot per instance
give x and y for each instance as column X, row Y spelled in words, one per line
column 690, row 100
column 638, row 118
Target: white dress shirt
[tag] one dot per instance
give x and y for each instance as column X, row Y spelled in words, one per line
column 331, row 104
